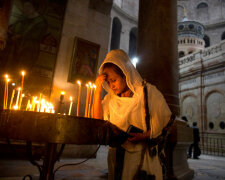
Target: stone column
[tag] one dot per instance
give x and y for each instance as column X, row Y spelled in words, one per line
column 157, row 47
column 158, row 64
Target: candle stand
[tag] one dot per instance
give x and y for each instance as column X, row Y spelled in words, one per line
column 55, row 129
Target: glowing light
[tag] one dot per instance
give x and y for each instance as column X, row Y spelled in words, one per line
column 78, row 82
column 135, row 61
column 23, row 73
column 15, row 107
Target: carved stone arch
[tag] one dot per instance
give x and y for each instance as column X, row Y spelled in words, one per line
column 189, row 107
column 116, row 32
column 214, row 108
column 202, row 11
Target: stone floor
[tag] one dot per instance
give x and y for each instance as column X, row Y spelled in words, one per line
column 206, row 168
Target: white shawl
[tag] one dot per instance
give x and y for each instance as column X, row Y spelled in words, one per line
column 125, row 111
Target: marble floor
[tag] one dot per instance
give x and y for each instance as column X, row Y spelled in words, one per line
column 206, row 168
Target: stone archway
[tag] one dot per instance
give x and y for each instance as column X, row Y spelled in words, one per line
column 116, row 30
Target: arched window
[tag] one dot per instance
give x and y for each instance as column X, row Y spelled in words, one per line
column 181, row 54
column 223, row 36
column 116, row 30
column 133, row 43
column 207, row 41
column 202, row 5
column 202, row 11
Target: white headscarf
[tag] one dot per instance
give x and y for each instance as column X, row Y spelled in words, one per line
column 123, row 111
column 121, row 59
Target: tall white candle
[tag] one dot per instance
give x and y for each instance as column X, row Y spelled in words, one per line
column 18, row 96
column 87, row 100
column 78, row 99
column 89, row 104
column 21, row 93
column 11, row 101
column 5, row 92
column 71, row 103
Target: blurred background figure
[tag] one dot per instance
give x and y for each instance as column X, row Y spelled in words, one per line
column 195, row 145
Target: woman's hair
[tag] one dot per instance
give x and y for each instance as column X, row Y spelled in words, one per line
column 115, row 68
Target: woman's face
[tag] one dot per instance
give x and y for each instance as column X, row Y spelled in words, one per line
column 115, row 81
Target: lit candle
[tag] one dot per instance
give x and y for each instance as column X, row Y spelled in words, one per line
column 5, row 92
column 20, row 99
column 28, row 105
column 78, row 99
column 33, row 104
column 94, row 88
column 39, row 103
column 17, row 100
column 11, row 101
column 89, row 104
column 87, row 100
column 62, row 96
column 71, row 103
column 43, row 107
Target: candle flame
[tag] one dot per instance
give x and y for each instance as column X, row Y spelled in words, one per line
column 15, row 107
column 7, row 80
column 13, row 84
column 62, row 92
column 6, row 76
column 94, row 86
column 71, row 98
column 78, row 82
column 87, row 85
column 23, row 73
column 23, row 95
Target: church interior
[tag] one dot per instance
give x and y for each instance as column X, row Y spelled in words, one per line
column 50, row 53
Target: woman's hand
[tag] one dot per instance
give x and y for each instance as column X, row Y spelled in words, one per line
column 139, row 137
column 99, row 81
column 97, row 111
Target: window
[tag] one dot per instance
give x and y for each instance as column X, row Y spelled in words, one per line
column 202, row 5
column 202, row 12
column 223, row 36
column 181, row 54
column 133, row 42
column 116, row 30
column 207, row 41
column 222, row 125
column 211, row 125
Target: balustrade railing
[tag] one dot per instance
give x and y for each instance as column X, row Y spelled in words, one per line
column 212, row 144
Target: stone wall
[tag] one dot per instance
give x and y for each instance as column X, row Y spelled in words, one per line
column 202, row 88
column 86, row 23
column 212, row 16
